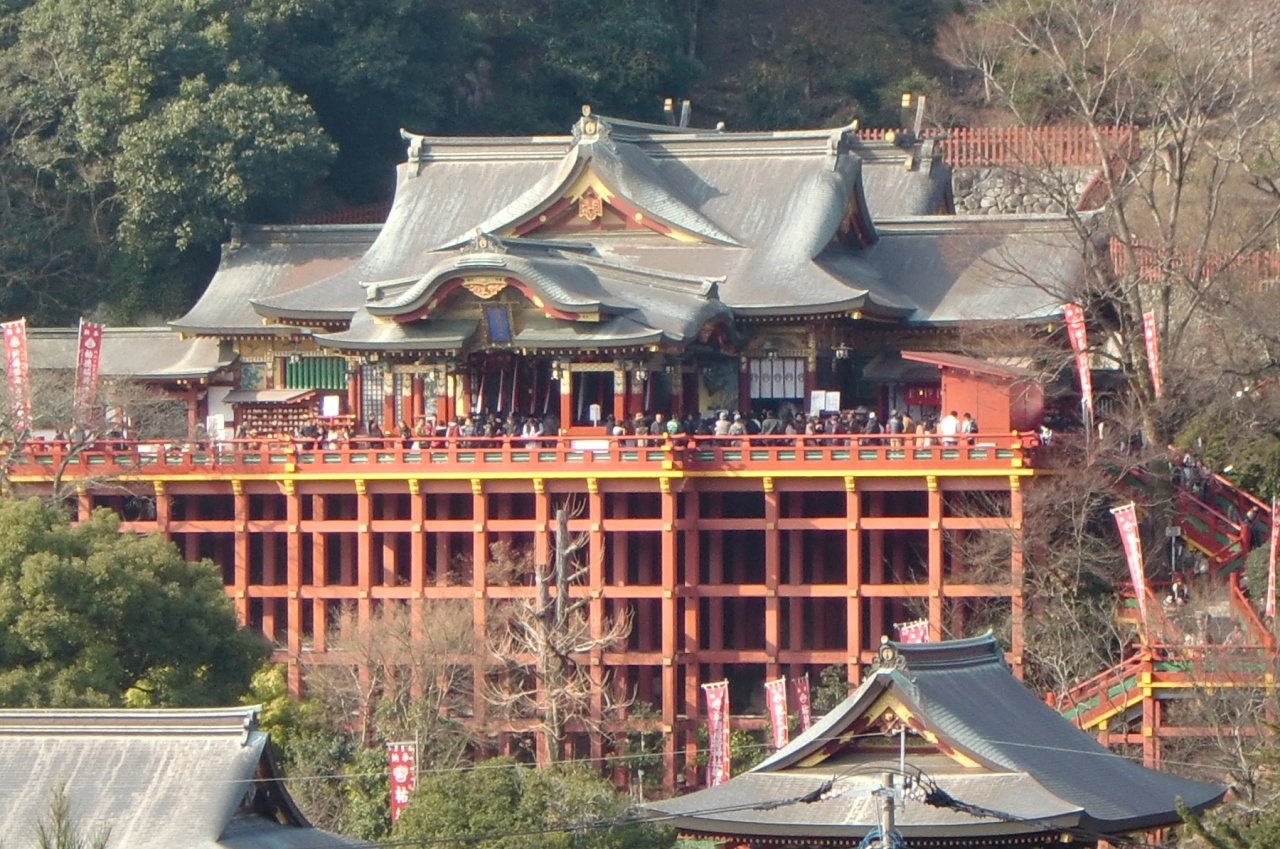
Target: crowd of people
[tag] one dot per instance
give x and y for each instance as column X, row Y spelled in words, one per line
column 865, row 426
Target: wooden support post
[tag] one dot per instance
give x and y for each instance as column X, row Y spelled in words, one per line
column 669, row 693
column 595, row 607
column 364, row 552
column 691, row 640
column 620, row 381
column 240, row 508
column 162, row 510
column 566, row 398
column 417, row 554
column 853, row 580
column 293, row 579
column 772, row 577
column 935, row 559
column 479, row 587
column 319, row 575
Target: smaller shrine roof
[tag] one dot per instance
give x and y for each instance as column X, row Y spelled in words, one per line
column 1016, row 764
column 144, row 353
column 266, row 262
column 981, row 267
column 158, row 779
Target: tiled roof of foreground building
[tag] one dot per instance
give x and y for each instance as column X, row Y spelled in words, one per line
column 158, row 779
column 973, row 728
column 678, row 227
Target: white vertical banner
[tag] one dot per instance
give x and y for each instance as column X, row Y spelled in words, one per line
column 1271, row 560
column 718, row 754
column 1074, row 316
column 1153, row 349
column 1127, row 522
column 775, row 695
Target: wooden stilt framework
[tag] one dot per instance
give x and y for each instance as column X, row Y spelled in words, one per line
column 739, row 560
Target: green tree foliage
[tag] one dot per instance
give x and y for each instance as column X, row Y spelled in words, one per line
column 136, row 131
column 90, row 616
column 502, row 805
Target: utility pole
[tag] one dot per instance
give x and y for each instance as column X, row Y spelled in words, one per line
column 886, row 810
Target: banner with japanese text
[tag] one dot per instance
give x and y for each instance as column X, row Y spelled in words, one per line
column 1271, row 560
column 15, row 360
column 88, row 360
column 1074, row 316
column 1127, row 522
column 718, row 754
column 1153, row 349
column 775, row 695
column 913, row 632
column 402, row 764
column 804, row 706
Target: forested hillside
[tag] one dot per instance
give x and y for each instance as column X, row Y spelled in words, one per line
column 133, row 133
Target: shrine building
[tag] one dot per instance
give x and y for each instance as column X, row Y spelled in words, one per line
column 976, row 762
column 579, row 281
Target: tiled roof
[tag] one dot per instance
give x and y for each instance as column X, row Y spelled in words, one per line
column 158, row 779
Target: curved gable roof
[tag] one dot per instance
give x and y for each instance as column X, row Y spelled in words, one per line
column 623, row 168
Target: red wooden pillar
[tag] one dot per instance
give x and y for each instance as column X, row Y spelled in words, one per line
column 364, row 552
column 162, row 510
column 935, row 559
column 853, row 579
column 417, row 544
column 691, row 642
column 621, row 383
column 772, row 576
column 566, row 397
column 319, row 573
column 595, row 608
column 293, row 577
column 669, row 692
column 445, row 384
column 240, row 509
column 354, row 394
column 269, row 572
column 479, row 559
column 417, row 405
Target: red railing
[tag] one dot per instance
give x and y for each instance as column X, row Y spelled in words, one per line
column 1154, row 263
column 966, row 147
column 910, row 454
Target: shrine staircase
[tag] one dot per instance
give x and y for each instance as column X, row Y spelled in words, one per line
column 1212, row 519
column 1205, row 643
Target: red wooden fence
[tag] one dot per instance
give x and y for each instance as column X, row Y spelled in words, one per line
column 965, row 147
column 1252, row 266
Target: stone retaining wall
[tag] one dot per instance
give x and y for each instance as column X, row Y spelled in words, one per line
column 996, row 191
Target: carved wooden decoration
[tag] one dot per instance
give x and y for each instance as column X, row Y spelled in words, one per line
column 590, row 207
column 484, row 287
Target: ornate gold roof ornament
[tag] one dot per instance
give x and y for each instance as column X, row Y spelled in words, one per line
column 482, row 242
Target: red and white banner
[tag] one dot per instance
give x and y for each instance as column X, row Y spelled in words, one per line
column 1127, row 522
column 717, row 732
column 15, row 360
column 1271, row 561
column 804, row 706
column 1153, row 349
column 88, row 359
column 1074, row 316
column 913, row 632
column 775, row 696
column 402, row 763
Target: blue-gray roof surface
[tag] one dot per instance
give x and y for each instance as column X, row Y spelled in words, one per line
column 158, row 779
column 1032, row 764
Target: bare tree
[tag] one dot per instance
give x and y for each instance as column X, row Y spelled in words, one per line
column 1184, row 205
column 540, row 645
column 398, row 675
